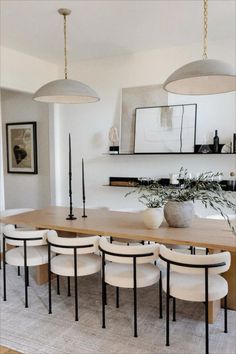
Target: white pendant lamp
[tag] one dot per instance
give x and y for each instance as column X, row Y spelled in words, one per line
column 202, row 77
column 65, row 90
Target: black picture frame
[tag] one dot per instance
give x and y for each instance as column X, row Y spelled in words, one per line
column 144, row 133
column 21, row 138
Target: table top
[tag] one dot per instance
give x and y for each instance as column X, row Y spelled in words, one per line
column 213, row 234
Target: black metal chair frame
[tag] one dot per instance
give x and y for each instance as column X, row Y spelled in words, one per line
column 206, row 268
column 26, row 268
column 50, row 244
column 134, row 256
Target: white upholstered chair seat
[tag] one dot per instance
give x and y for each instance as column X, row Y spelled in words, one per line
column 192, row 287
column 86, row 264
column 121, row 275
column 35, row 256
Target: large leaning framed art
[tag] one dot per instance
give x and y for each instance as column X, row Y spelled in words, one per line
column 22, row 147
column 165, row 129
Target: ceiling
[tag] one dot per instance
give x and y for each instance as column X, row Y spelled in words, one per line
column 107, row 28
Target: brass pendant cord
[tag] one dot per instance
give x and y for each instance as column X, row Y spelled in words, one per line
column 65, row 46
column 205, row 30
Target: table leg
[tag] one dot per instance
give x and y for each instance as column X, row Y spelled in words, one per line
column 213, row 309
column 41, row 275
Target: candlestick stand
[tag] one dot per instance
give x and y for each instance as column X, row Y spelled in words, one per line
column 84, row 214
column 70, row 215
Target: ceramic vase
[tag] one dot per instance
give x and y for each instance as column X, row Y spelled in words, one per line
column 153, row 217
column 179, row 214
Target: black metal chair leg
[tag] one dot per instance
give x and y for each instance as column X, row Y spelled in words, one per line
column 103, row 292
column 68, row 286
column 206, row 312
column 49, row 281
column 58, row 284
column 25, row 275
column 174, row 309
column 4, row 271
column 167, row 305
column 135, row 298
column 225, row 315
column 76, row 286
column 160, row 296
column 117, row 298
column 18, row 271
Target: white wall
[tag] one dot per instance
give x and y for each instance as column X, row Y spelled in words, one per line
column 24, row 72
column 27, row 190
column 89, row 124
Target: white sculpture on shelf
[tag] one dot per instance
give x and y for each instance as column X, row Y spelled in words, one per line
column 114, row 139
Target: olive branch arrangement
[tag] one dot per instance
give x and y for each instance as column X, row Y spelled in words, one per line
column 205, row 188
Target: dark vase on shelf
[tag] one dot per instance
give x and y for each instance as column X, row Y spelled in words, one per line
column 216, row 142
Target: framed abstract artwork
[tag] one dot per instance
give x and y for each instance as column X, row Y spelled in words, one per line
column 22, row 147
column 165, row 129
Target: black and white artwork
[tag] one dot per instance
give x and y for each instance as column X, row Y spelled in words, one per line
column 22, row 147
column 165, row 129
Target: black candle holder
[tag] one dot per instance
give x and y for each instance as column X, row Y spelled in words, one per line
column 83, row 190
column 70, row 215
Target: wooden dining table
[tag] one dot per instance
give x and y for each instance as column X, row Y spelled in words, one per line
column 212, row 234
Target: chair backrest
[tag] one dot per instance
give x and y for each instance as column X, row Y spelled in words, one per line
column 15, row 237
column 120, row 253
column 187, row 260
column 83, row 245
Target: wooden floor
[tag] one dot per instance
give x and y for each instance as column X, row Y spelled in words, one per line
column 4, row 350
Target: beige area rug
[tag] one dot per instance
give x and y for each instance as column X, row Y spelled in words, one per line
column 33, row 331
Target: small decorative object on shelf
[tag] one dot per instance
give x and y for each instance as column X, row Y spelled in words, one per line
column 174, row 178
column 216, row 142
column 114, row 139
column 226, row 149
column 234, row 143
column 204, row 148
column 123, row 181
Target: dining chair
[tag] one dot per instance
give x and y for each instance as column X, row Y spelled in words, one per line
column 75, row 258
column 194, row 278
column 10, row 212
column 29, row 250
column 128, row 267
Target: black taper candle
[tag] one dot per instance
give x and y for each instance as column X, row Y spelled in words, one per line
column 83, row 190
column 70, row 215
